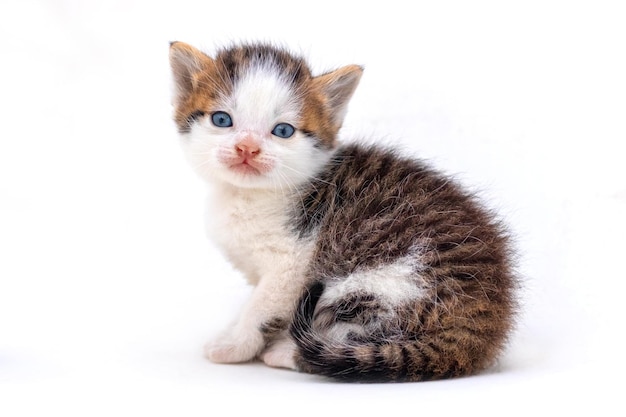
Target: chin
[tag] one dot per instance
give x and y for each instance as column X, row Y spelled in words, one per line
column 247, row 177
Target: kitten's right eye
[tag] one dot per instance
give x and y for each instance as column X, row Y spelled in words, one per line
column 221, row 119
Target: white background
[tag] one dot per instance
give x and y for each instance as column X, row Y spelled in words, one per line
column 108, row 287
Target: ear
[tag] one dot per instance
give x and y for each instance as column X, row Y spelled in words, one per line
column 187, row 65
column 337, row 87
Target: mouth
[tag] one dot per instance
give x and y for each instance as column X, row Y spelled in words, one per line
column 245, row 168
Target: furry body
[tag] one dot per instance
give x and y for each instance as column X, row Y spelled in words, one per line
column 367, row 265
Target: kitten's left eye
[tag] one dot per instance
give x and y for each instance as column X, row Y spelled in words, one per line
column 283, row 130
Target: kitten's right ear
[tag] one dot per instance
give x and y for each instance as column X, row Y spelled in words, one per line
column 187, row 63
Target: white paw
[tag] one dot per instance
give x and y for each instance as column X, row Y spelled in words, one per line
column 234, row 349
column 280, row 354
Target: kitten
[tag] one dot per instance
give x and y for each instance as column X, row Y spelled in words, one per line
column 367, row 265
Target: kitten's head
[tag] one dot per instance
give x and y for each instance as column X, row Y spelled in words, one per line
column 254, row 116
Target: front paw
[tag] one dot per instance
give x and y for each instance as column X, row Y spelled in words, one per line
column 233, row 349
column 280, row 354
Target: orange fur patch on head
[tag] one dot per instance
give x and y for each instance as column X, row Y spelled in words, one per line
column 327, row 100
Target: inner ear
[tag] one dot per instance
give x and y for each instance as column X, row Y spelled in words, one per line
column 187, row 64
column 338, row 87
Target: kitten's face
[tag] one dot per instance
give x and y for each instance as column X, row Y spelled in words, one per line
column 254, row 117
column 251, row 136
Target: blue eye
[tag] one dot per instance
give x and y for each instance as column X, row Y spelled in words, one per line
column 283, row 130
column 221, row 119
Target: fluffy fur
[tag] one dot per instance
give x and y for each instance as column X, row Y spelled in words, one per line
column 367, row 265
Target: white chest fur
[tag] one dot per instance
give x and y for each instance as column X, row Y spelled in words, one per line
column 252, row 229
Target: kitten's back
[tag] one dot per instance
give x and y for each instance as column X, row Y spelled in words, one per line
column 385, row 223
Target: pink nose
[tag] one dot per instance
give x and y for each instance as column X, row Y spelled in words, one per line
column 248, row 147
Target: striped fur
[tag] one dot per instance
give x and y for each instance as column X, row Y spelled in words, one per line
column 372, row 207
column 368, row 265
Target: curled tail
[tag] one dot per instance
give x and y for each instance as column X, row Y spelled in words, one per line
column 374, row 358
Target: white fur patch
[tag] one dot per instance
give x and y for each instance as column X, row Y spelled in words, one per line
column 393, row 283
column 249, row 226
column 262, row 99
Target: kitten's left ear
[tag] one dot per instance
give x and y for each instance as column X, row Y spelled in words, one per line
column 338, row 86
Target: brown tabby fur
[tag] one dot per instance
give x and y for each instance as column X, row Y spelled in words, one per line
column 371, row 207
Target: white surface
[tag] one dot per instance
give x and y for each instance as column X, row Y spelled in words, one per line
column 108, row 288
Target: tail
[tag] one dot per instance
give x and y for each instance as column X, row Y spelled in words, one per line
column 417, row 358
